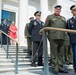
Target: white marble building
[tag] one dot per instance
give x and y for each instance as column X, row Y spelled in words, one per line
column 23, row 9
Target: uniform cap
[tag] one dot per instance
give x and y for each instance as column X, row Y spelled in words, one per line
column 73, row 7
column 31, row 18
column 4, row 19
column 58, row 6
column 37, row 13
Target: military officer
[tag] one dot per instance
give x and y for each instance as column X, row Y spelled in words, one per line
column 34, row 28
column 4, row 27
column 56, row 39
column 28, row 36
column 71, row 24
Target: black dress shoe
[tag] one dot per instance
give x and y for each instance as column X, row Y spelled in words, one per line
column 34, row 65
column 75, row 70
column 30, row 53
column 55, row 72
column 62, row 71
column 40, row 64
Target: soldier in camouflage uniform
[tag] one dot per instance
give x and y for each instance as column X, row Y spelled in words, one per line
column 56, row 40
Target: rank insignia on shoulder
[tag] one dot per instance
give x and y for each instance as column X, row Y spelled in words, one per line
column 43, row 24
column 63, row 19
column 35, row 23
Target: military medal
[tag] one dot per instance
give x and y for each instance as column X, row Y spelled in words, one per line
column 35, row 24
column 71, row 21
column 72, row 26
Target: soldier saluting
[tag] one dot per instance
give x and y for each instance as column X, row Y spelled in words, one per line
column 56, row 39
column 34, row 28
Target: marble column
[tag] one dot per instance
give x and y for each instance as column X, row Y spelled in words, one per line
column 0, row 10
column 23, row 18
column 44, row 9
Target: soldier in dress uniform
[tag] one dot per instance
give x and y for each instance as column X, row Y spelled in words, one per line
column 28, row 36
column 56, row 39
column 4, row 27
column 71, row 24
column 34, row 28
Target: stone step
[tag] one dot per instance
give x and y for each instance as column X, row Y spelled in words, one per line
column 10, row 60
column 20, row 69
column 15, row 56
column 15, row 46
column 13, row 53
column 22, row 57
column 15, row 50
column 2, row 70
column 13, row 64
column 19, row 57
column 2, row 51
